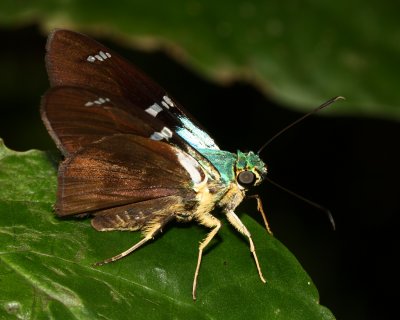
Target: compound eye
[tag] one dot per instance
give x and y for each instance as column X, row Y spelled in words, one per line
column 246, row 178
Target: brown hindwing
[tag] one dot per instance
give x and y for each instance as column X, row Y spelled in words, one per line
column 119, row 171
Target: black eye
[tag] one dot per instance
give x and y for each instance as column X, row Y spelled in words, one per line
column 246, row 178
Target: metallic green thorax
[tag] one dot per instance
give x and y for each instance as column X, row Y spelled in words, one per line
column 228, row 164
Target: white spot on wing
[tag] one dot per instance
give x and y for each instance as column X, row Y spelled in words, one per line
column 165, row 133
column 165, row 104
column 91, row 59
column 190, row 166
column 156, row 136
column 168, row 101
column 103, row 55
column 154, row 109
column 98, row 102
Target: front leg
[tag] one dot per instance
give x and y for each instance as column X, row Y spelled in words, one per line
column 238, row 224
column 261, row 211
column 210, row 221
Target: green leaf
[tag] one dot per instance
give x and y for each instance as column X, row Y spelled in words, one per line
column 46, row 263
column 298, row 52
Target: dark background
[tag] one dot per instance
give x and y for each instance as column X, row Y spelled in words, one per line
column 350, row 165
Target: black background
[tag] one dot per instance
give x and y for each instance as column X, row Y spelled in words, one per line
column 348, row 164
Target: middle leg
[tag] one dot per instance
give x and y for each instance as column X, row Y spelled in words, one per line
column 238, row 224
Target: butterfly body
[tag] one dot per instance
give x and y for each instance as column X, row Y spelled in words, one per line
column 134, row 158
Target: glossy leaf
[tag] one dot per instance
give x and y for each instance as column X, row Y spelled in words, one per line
column 46, row 263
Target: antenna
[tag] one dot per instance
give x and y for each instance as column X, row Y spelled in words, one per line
column 312, row 203
column 322, row 106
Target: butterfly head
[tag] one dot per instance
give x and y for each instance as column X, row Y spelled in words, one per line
column 250, row 170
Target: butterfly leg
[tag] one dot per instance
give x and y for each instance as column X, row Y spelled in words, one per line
column 210, row 221
column 261, row 210
column 150, row 233
column 238, row 224
column 125, row 253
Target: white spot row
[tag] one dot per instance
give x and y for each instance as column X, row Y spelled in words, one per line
column 101, row 56
column 98, row 102
column 165, row 133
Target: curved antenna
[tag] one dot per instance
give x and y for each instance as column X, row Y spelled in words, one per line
column 324, row 105
column 312, row 203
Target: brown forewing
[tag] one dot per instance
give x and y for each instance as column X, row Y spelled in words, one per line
column 67, row 65
column 119, row 170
